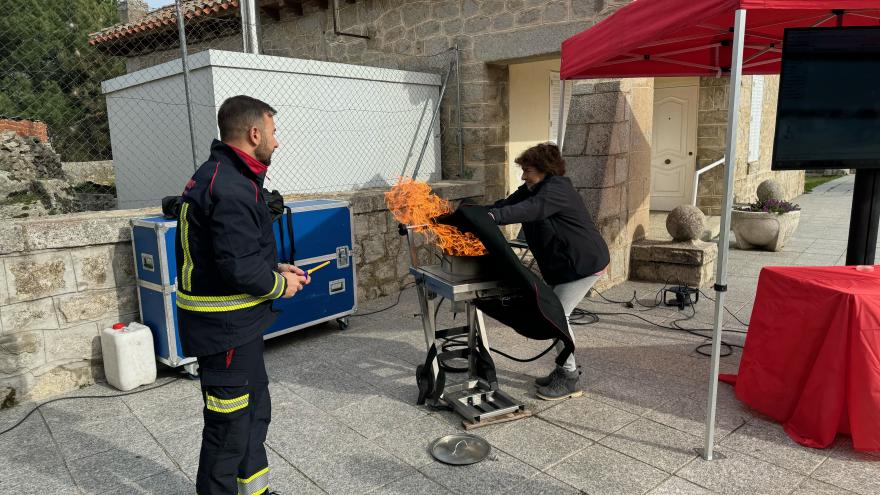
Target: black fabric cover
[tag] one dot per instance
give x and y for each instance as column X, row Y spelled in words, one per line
column 535, row 311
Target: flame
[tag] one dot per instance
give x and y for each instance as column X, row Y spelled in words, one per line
column 412, row 203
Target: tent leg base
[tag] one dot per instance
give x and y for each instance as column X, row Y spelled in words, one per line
column 716, row 456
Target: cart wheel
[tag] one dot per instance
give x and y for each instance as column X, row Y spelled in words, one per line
column 343, row 322
column 191, row 370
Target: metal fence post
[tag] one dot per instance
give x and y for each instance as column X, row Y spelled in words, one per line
column 181, row 31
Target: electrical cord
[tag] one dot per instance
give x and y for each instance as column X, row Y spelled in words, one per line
column 405, row 287
column 38, row 406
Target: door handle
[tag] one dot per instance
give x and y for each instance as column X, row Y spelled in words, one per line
column 667, row 161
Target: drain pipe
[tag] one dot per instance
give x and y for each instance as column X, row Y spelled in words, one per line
column 336, row 30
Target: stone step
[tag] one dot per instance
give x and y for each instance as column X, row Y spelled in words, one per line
column 657, row 227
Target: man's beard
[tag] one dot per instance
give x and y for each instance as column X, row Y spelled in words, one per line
column 264, row 154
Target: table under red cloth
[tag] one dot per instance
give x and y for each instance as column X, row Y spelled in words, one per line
column 811, row 359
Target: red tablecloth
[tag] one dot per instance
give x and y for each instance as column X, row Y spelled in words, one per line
column 812, row 354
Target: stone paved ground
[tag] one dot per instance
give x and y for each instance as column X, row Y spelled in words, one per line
column 345, row 420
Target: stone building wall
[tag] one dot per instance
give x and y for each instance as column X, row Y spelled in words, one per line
column 64, row 278
column 711, row 135
column 608, row 158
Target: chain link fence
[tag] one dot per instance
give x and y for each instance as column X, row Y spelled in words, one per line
column 97, row 111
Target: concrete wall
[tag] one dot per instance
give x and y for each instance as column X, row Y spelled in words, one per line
column 608, row 157
column 63, row 279
column 711, row 135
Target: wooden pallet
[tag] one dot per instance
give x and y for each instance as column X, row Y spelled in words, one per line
column 470, row 425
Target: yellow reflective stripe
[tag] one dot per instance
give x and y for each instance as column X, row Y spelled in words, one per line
column 256, row 484
column 215, row 304
column 186, row 270
column 217, row 404
column 190, row 297
column 277, row 289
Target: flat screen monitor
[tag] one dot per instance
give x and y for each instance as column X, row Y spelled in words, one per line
column 828, row 113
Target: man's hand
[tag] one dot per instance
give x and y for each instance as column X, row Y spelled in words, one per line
column 286, row 268
column 295, row 283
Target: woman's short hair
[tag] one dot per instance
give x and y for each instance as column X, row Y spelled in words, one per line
column 544, row 157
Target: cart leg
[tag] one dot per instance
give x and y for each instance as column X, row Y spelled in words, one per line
column 428, row 323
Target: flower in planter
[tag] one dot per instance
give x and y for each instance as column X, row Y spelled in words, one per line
column 776, row 206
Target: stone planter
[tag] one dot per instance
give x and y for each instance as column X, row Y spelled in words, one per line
column 757, row 229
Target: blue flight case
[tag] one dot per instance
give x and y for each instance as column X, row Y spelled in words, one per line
column 322, row 231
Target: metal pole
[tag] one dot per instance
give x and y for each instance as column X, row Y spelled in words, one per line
column 433, row 119
column 560, row 125
column 181, row 31
column 250, row 41
column 458, row 113
column 723, row 238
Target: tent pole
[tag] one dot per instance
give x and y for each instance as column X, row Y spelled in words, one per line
column 723, row 238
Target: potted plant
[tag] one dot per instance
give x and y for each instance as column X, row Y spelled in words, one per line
column 764, row 224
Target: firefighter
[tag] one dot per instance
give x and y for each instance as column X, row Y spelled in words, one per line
column 227, row 277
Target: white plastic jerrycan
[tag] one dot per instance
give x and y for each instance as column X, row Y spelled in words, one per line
column 129, row 359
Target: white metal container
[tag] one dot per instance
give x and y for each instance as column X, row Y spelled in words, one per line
column 129, row 359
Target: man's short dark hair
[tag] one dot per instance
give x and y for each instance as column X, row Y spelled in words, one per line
column 239, row 114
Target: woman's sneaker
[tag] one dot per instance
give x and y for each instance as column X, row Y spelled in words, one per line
column 563, row 385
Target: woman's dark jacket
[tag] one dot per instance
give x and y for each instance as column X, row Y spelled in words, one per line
column 558, row 229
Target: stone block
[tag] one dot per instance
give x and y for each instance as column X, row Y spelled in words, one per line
column 528, row 17
column 38, row 276
column 64, row 378
column 475, row 25
column 20, row 352
column 11, row 237
column 575, row 139
column 122, row 259
column 599, row 139
column 638, row 194
column 619, row 143
column 30, row 315
column 4, row 291
column 502, row 21
column 445, row 9
column 76, row 343
column 584, row 9
column 621, row 170
column 674, row 262
column 469, row 8
column 373, row 248
column 555, row 12
column 491, row 6
column 73, row 309
column 527, row 42
column 93, row 267
column 452, row 26
column 595, row 108
column 82, row 229
column 591, row 171
column 414, row 13
column 603, row 202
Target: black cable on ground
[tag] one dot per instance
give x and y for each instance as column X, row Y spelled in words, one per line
column 675, row 324
column 133, row 392
column 405, row 287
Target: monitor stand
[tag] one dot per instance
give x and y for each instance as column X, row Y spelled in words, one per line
column 864, row 218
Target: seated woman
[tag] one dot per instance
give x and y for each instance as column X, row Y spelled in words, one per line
column 564, row 241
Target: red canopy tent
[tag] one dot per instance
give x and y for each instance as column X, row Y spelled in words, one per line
column 656, row 38
column 664, row 38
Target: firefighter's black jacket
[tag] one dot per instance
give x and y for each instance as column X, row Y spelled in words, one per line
column 226, row 255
